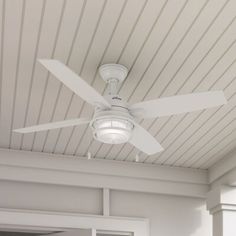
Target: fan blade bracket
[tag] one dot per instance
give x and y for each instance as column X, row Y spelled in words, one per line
column 137, row 112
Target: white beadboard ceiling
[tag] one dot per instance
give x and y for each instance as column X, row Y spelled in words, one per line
column 170, row 47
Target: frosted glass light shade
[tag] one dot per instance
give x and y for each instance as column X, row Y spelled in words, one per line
column 112, row 131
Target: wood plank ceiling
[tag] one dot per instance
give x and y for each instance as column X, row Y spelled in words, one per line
column 170, row 47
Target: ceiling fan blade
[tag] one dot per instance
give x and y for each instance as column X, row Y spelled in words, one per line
column 74, row 82
column 53, row 125
column 177, row 104
column 144, row 141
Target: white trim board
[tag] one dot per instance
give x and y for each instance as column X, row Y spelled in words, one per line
column 57, row 221
column 65, row 170
column 99, row 166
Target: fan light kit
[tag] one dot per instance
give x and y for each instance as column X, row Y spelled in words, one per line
column 113, row 126
column 112, row 130
column 113, row 121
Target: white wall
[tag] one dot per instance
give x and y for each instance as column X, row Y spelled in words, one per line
column 169, row 215
column 45, row 197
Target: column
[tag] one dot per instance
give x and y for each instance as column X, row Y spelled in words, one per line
column 221, row 202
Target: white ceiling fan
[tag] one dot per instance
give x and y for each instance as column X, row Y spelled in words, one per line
column 113, row 121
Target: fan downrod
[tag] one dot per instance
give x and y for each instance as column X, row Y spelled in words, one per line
column 113, row 74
